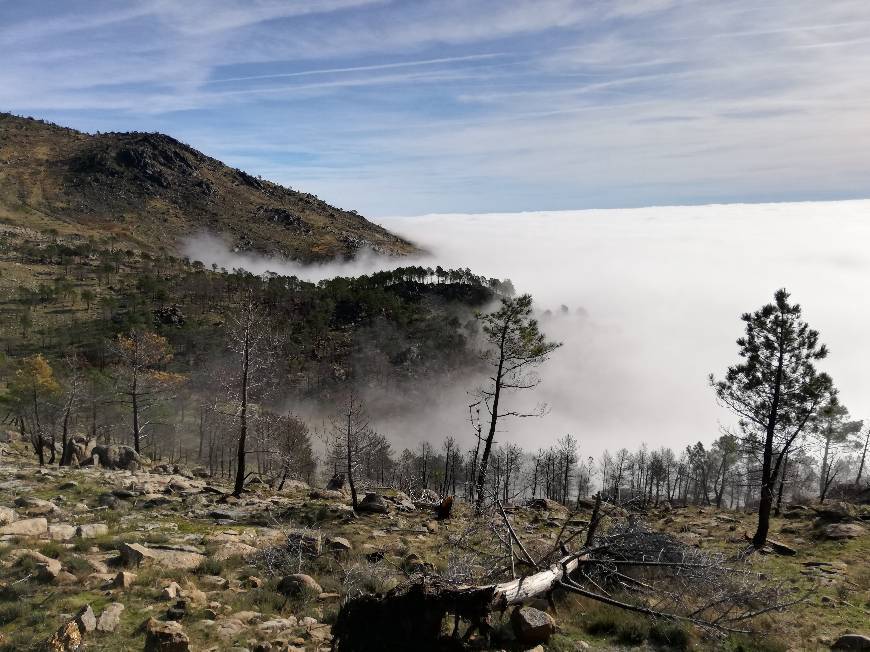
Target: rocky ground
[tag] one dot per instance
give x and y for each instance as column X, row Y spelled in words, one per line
column 98, row 559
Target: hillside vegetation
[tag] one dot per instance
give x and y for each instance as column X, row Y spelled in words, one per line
column 150, row 191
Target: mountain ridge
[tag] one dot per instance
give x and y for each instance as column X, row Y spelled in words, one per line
column 152, row 191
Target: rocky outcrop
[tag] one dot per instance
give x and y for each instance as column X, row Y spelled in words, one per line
column 135, row 554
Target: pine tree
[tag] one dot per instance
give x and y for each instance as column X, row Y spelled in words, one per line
column 775, row 389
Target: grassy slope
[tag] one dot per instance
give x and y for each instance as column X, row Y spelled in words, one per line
column 151, row 191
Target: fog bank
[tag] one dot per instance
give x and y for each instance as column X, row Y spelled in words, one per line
column 654, row 297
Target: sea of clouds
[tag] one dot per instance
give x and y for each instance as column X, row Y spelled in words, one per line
column 654, row 297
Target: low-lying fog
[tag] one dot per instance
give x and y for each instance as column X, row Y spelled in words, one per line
column 654, row 297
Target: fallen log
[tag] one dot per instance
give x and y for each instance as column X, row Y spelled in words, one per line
column 416, row 611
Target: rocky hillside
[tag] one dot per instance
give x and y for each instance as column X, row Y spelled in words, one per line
column 161, row 558
column 151, row 191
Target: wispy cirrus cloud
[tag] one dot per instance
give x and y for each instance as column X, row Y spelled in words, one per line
column 404, row 107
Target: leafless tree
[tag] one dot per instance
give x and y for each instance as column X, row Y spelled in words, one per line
column 252, row 342
column 349, row 437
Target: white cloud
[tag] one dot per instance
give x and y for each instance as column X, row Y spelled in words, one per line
column 662, row 290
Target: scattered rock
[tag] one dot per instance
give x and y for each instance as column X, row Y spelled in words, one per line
column 110, row 618
column 532, row 626
column 165, row 637
column 28, row 527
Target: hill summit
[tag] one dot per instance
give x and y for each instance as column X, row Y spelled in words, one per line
column 152, row 191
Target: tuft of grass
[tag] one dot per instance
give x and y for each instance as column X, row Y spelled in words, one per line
column 670, row 635
column 11, row 611
column 210, row 566
column 742, row 643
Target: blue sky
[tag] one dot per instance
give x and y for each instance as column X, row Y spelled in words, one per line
column 399, row 108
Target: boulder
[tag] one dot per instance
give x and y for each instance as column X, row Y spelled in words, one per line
column 86, row 620
column 35, row 506
column 61, row 532
column 124, row 580
column 117, row 456
column 842, row 531
column 852, row 642
column 110, row 618
column 165, row 637
column 135, row 554
column 298, row 584
column 171, row 591
column 339, row 544
column 92, row 530
column 532, row 626
column 373, row 503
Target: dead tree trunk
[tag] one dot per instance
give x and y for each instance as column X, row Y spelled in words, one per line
column 416, row 611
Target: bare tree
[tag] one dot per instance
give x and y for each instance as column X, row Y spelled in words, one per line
column 143, row 382
column 516, row 347
column 252, row 342
column 832, row 430
column 349, row 437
